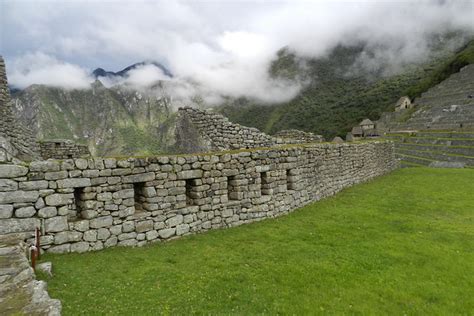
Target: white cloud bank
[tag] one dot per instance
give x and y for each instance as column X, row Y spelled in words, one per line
column 39, row 68
column 223, row 48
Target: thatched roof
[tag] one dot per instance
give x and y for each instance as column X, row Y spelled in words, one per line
column 366, row 122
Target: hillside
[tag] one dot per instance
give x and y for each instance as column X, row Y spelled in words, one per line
column 340, row 94
column 111, row 121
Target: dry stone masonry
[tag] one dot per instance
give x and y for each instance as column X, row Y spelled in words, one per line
column 294, row 136
column 90, row 204
column 203, row 131
column 16, row 141
column 62, row 149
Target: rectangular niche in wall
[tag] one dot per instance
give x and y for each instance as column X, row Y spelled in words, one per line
column 139, row 197
column 191, row 193
column 78, row 206
column 265, row 183
column 233, row 193
column 289, row 185
column 290, row 180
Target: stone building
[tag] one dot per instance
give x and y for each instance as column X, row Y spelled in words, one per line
column 367, row 124
column 403, row 103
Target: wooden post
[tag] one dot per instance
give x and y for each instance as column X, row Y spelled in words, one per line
column 37, row 242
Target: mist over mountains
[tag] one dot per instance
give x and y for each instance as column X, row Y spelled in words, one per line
column 218, row 50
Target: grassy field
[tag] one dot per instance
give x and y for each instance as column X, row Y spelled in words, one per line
column 401, row 244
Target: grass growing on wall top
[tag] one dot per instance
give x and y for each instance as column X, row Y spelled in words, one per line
column 400, row 244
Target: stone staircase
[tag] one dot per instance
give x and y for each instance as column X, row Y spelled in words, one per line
column 423, row 148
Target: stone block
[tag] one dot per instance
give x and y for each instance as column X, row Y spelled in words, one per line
column 189, row 174
column 18, row 197
column 23, row 212
column 116, row 230
column 56, row 175
column 125, row 236
column 151, row 235
column 57, row 199
column 17, row 225
column 149, row 192
column 124, row 194
column 104, row 221
column 182, row 229
column 128, row 243
column 44, row 166
column 56, row 224
column 80, row 247
column 6, row 211
column 126, row 212
column 74, row 183
column 65, row 248
column 47, row 212
column 8, row 185
column 90, row 235
column 12, row 171
column 103, row 233
column 81, row 163
column 128, row 227
column 143, row 177
column 167, row 232
column 174, row 221
column 82, row 225
column 144, row 226
column 112, row 241
column 33, row 185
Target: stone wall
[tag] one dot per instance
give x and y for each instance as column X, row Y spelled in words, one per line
column 62, row 149
column 294, row 136
column 215, row 132
column 88, row 204
column 16, row 141
column 203, row 131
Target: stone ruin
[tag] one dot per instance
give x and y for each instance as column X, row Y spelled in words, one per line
column 203, row 131
column 294, row 136
column 62, row 149
column 18, row 143
column 88, row 204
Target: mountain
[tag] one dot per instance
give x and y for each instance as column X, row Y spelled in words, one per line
column 112, row 121
column 100, row 72
column 341, row 91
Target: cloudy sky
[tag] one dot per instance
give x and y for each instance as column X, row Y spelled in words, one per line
column 222, row 46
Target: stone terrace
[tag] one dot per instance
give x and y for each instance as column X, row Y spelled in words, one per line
column 448, row 105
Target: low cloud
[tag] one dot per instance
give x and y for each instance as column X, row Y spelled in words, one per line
column 39, row 68
column 216, row 49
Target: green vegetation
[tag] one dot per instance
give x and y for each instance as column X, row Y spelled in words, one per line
column 340, row 93
column 452, row 65
column 110, row 120
column 400, row 244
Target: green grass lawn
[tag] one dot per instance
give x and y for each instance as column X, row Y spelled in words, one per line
column 401, row 244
